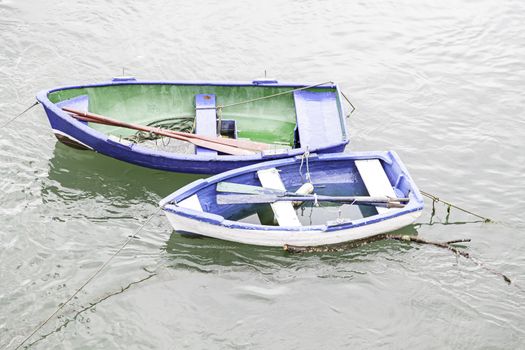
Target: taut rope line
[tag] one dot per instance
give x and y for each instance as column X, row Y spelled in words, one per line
column 88, row 280
column 269, row 96
column 18, row 115
column 437, row 199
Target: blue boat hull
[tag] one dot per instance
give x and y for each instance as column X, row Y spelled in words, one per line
column 80, row 135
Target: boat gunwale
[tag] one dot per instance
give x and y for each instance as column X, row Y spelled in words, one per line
column 414, row 205
column 42, row 97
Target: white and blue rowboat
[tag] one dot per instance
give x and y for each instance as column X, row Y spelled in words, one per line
column 301, row 201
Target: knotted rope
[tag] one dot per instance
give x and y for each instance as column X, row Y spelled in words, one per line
column 304, row 157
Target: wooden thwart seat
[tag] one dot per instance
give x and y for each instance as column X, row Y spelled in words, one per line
column 375, row 180
column 191, row 202
column 284, row 212
column 318, row 118
column 205, row 120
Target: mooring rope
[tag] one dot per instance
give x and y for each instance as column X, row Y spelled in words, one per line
column 89, row 279
column 266, row 97
column 350, row 103
column 437, row 199
column 18, row 115
column 305, row 156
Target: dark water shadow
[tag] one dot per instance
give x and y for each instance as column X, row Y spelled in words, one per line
column 207, row 254
column 75, row 174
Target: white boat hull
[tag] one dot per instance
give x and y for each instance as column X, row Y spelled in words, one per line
column 278, row 238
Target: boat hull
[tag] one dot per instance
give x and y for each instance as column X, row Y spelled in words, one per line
column 209, row 218
column 278, row 238
column 79, row 135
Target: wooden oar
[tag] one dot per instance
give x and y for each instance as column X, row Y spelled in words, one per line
column 231, row 187
column 268, row 198
column 201, row 142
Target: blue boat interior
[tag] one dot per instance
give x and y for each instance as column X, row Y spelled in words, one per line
column 318, row 119
column 333, row 178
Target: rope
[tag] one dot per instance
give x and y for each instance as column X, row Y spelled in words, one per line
column 266, row 97
column 437, row 199
column 219, row 108
column 306, row 156
column 18, row 115
column 350, row 103
column 183, row 124
column 88, row 280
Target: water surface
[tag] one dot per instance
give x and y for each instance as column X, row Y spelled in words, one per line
column 440, row 83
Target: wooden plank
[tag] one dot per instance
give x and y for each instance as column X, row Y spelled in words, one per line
column 205, row 120
column 375, row 179
column 318, row 118
column 191, row 202
column 284, row 212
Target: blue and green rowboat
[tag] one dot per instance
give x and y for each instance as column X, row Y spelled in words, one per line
column 289, row 118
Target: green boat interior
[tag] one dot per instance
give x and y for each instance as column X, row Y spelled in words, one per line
column 284, row 116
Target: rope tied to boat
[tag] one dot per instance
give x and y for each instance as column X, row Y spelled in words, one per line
column 269, row 96
column 97, row 272
column 449, row 205
column 304, row 157
column 350, row 103
column 18, row 115
column 316, row 203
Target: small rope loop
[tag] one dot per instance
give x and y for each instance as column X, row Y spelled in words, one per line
column 304, row 157
column 316, row 203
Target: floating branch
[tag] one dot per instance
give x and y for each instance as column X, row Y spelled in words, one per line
column 446, row 245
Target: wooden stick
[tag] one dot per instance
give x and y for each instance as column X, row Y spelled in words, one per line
column 406, row 238
column 446, row 245
column 270, row 198
column 215, row 145
column 231, row 187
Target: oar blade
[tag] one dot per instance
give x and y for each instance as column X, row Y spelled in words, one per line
column 245, row 199
column 271, row 198
column 231, row 187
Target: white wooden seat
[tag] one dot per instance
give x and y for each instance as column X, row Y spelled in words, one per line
column 375, row 180
column 205, row 120
column 191, row 202
column 284, row 212
column 318, row 118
